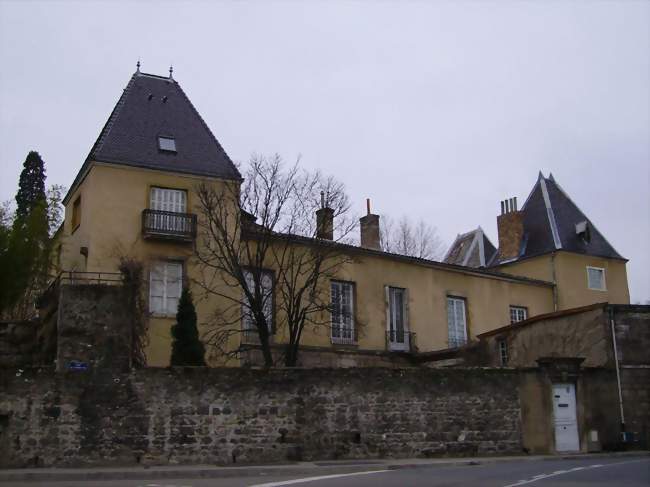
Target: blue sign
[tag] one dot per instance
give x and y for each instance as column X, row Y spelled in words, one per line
column 77, row 365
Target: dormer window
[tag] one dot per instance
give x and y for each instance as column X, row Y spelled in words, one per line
column 167, row 144
column 582, row 231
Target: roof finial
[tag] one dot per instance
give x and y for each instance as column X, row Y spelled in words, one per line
column 171, row 70
column 137, row 65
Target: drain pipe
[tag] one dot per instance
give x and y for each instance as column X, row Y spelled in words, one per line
column 618, row 372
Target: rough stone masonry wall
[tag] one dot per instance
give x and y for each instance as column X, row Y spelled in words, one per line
column 201, row 415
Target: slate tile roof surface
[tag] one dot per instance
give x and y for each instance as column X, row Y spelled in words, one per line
column 560, row 215
column 153, row 106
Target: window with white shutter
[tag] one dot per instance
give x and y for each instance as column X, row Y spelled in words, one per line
column 165, row 287
column 342, row 295
column 456, row 322
column 164, row 199
column 266, row 282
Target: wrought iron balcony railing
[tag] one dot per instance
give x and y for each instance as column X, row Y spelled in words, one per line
column 343, row 335
column 168, row 225
column 400, row 341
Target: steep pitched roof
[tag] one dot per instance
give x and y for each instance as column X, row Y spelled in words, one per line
column 153, row 106
column 471, row 249
column 550, row 218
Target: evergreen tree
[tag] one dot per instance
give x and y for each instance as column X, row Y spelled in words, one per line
column 187, row 348
column 25, row 247
column 31, row 187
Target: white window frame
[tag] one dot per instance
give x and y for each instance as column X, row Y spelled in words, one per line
column 502, row 346
column 456, row 321
column 603, row 280
column 169, row 306
column 342, row 320
column 267, row 278
column 517, row 314
column 395, row 341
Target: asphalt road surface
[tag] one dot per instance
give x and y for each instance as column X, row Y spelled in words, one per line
column 600, row 472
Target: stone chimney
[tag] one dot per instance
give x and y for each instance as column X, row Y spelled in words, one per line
column 370, row 230
column 324, row 220
column 510, row 224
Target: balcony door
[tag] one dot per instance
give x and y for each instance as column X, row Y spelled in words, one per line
column 167, row 202
column 398, row 336
column 173, row 200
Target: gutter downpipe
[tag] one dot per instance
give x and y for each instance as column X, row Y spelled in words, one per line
column 555, row 299
column 618, row 372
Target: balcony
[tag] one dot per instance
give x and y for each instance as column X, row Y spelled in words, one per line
column 400, row 341
column 168, row 225
column 342, row 335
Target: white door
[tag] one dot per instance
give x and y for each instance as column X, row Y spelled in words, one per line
column 566, row 423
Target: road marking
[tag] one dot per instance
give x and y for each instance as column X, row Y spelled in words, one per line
column 562, row 472
column 313, row 479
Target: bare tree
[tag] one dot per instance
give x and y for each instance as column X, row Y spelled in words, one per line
column 261, row 254
column 404, row 237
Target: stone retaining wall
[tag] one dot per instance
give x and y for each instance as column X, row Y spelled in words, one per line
column 225, row 416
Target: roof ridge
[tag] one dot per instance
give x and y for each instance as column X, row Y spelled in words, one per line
column 207, row 128
column 111, row 119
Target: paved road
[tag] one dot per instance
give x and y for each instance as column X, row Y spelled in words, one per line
column 596, row 472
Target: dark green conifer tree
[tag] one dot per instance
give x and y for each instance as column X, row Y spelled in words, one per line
column 187, row 348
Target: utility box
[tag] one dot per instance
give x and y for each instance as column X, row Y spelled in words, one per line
column 593, row 442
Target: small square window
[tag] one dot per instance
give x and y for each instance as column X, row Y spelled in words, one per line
column 517, row 314
column 167, row 144
column 596, row 278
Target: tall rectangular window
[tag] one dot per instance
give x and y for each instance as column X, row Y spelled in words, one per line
column 342, row 295
column 503, row 352
column 596, row 278
column 456, row 322
column 517, row 314
column 76, row 213
column 266, row 290
column 165, row 286
column 397, row 326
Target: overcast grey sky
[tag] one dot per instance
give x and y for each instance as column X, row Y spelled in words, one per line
column 433, row 109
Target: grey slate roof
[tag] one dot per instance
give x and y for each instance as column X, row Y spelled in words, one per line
column 550, row 218
column 151, row 106
column 471, row 249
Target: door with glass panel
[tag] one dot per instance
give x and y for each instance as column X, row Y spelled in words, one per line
column 456, row 322
column 170, row 206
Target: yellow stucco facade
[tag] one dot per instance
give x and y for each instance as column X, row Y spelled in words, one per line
column 108, row 226
column 569, row 271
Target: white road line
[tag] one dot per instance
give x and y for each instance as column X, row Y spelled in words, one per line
column 562, row 472
column 313, row 479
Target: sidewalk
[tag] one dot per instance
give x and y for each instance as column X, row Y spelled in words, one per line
column 298, row 468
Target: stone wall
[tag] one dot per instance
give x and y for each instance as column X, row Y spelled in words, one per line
column 225, row 416
column 17, row 343
column 94, row 326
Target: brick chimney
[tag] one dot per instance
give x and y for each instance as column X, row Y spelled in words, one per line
column 370, row 230
column 324, row 220
column 510, row 224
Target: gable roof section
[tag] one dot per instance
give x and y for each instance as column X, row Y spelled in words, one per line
column 471, row 249
column 550, row 218
column 153, row 106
